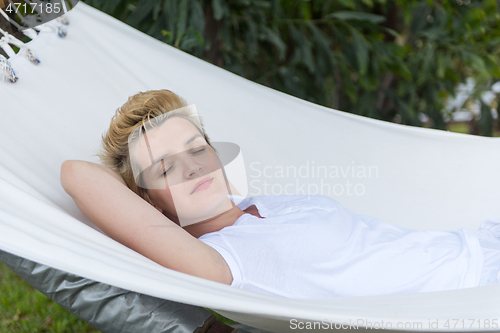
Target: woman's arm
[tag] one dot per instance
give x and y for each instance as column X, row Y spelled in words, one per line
column 103, row 197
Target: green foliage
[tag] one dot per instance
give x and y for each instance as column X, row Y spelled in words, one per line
column 385, row 59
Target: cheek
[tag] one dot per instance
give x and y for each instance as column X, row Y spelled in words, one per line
column 219, row 175
column 179, row 193
column 161, row 196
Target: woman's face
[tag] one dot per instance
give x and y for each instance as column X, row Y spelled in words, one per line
column 182, row 173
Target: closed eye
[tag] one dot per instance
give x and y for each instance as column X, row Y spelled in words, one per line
column 165, row 172
column 198, row 151
column 194, row 152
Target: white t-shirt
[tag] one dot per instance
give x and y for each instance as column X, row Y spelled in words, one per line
column 312, row 247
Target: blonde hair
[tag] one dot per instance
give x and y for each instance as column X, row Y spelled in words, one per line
column 131, row 117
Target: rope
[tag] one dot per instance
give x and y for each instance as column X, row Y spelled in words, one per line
column 25, row 51
column 6, row 70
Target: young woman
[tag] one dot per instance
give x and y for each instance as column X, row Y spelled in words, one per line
column 156, row 195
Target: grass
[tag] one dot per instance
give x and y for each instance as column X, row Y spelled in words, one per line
column 222, row 319
column 24, row 309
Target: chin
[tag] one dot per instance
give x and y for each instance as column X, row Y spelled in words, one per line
column 206, row 204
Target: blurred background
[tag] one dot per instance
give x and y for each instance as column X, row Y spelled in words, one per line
column 424, row 63
column 414, row 62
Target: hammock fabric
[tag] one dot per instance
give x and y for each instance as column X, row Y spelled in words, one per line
column 420, row 178
column 107, row 308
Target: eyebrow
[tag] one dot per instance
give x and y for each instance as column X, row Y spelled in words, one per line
column 194, row 137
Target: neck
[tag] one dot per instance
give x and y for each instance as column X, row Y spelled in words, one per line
column 215, row 223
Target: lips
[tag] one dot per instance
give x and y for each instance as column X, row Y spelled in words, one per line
column 201, row 182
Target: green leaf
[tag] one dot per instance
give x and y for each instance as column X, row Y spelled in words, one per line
column 492, row 65
column 191, row 39
column 369, row 3
column 110, row 6
column 170, row 15
column 477, row 62
column 321, row 40
column 392, row 32
column 275, row 39
column 142, row 10
column 404, row 70
column 156, row 11
column 358, row 16
column 441, row 65
column 217, row 7
column 197, row 18
column 486, row 120
column 182, row 20
column 304, row 45
column 305, row 9
column 347, row 3
column 155, row 29
column 251, row 38
column 168, row 35
column 227, row 36
column 361, row 47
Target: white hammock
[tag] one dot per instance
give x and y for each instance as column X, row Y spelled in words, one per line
column 427, row 179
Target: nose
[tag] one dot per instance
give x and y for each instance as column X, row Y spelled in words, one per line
column 192, row 168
